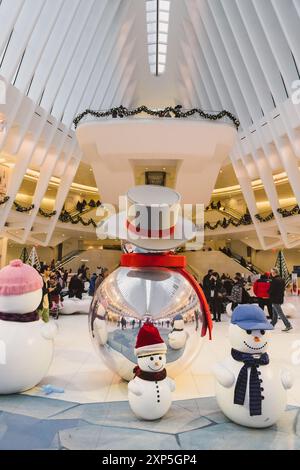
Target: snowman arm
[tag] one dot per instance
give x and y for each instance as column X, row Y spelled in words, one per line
column 287, row 379
column 49, row 330
column 223, row 375
column 134, row 388
column 172, row 384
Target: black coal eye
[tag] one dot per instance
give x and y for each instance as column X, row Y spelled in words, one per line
column 151, row 358
column 262, row 332
column 249, row 332
column 160, row 358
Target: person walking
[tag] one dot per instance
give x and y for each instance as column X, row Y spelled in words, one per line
column 92, row 285
column 276, row 294
column 261, row 290
column 236, row 292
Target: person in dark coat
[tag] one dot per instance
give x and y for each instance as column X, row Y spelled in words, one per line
column 228, row 284
column 92, row 284
column 276, row 294
column 206, row 284
column 76, row 287
column 217, row 295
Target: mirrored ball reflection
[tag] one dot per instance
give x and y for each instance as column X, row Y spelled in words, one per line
column 131, row 296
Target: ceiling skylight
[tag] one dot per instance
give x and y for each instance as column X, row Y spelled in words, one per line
column 157, row 12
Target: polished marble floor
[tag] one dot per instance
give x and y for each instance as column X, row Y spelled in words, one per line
column 81, row 373
column 94, row 402
column 196, row 424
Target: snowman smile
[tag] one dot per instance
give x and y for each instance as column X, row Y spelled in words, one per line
column 155, row 370
column 256, row 349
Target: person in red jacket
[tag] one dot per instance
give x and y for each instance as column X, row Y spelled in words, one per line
column 261, row 289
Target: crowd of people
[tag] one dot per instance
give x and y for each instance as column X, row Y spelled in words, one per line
column 60, row 282
column 220, row 290
column 268, row 292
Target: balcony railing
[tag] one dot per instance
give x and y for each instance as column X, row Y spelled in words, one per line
column 142, row 112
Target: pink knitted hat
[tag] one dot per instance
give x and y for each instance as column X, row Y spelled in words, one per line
column 18, row 279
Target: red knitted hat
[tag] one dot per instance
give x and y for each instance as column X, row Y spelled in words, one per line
column 149, row 341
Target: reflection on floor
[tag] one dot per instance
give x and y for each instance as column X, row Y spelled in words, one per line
column 85, row 379
column 124, row 341
column 41, row 423
column 94, row 407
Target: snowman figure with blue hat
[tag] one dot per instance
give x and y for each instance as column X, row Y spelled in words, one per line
column 250, row 390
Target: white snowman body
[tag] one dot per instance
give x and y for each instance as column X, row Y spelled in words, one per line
column 151, row 399
column 100, row 326
column 274, row 381
column 26, row 348
column 177, row 338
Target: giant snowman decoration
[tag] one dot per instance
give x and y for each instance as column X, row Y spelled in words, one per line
column 149, row 393
column 151, row 285
column 26, row 342
column 250, row 390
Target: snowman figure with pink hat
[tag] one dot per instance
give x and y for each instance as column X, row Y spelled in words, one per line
column 150, row 392
column 26, row 341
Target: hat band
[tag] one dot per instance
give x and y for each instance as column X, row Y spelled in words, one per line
column 162, row 233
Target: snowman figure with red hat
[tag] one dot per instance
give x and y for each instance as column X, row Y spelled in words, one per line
column 150, row 392
column 26, row 341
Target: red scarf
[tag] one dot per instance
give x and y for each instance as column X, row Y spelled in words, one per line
column 20, row 317
column 150, row 376
column 174, row 263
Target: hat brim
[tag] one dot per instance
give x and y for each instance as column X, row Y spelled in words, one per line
column 115, row 227
column 153, row 349
column 247, row 325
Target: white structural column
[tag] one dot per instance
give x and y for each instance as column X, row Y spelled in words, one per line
column 3, row 251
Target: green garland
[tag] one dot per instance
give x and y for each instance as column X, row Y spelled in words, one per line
column 269, row 217
column 46, row 214
column 65, row 217
column 225, row 223
column 287, row 213
column 169, row 112
column 20, row 208
column 4, row 200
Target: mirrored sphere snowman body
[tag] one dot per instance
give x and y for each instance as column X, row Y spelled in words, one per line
column 131, row 296
column 250, row 389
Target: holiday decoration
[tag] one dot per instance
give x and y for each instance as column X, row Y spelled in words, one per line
column 283, row 269
column 66, row 217
column 24, row 255
column 178, row 336
column 4, row 200
column 20, row 208
column 262, row 219
column 169, row 112
column 151, row 285
column 46, row 214
column 27, row 340
column 289, row 310
column 149, row 393
column 33, row 259
column 250, row 390
column 289, row 212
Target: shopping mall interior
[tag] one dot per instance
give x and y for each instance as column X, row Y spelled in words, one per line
column 149, row 211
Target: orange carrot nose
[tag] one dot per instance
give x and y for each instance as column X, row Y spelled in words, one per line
column 157, row 363
column 256, row 339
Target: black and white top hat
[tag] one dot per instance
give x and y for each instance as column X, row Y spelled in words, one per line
column 152, row 220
